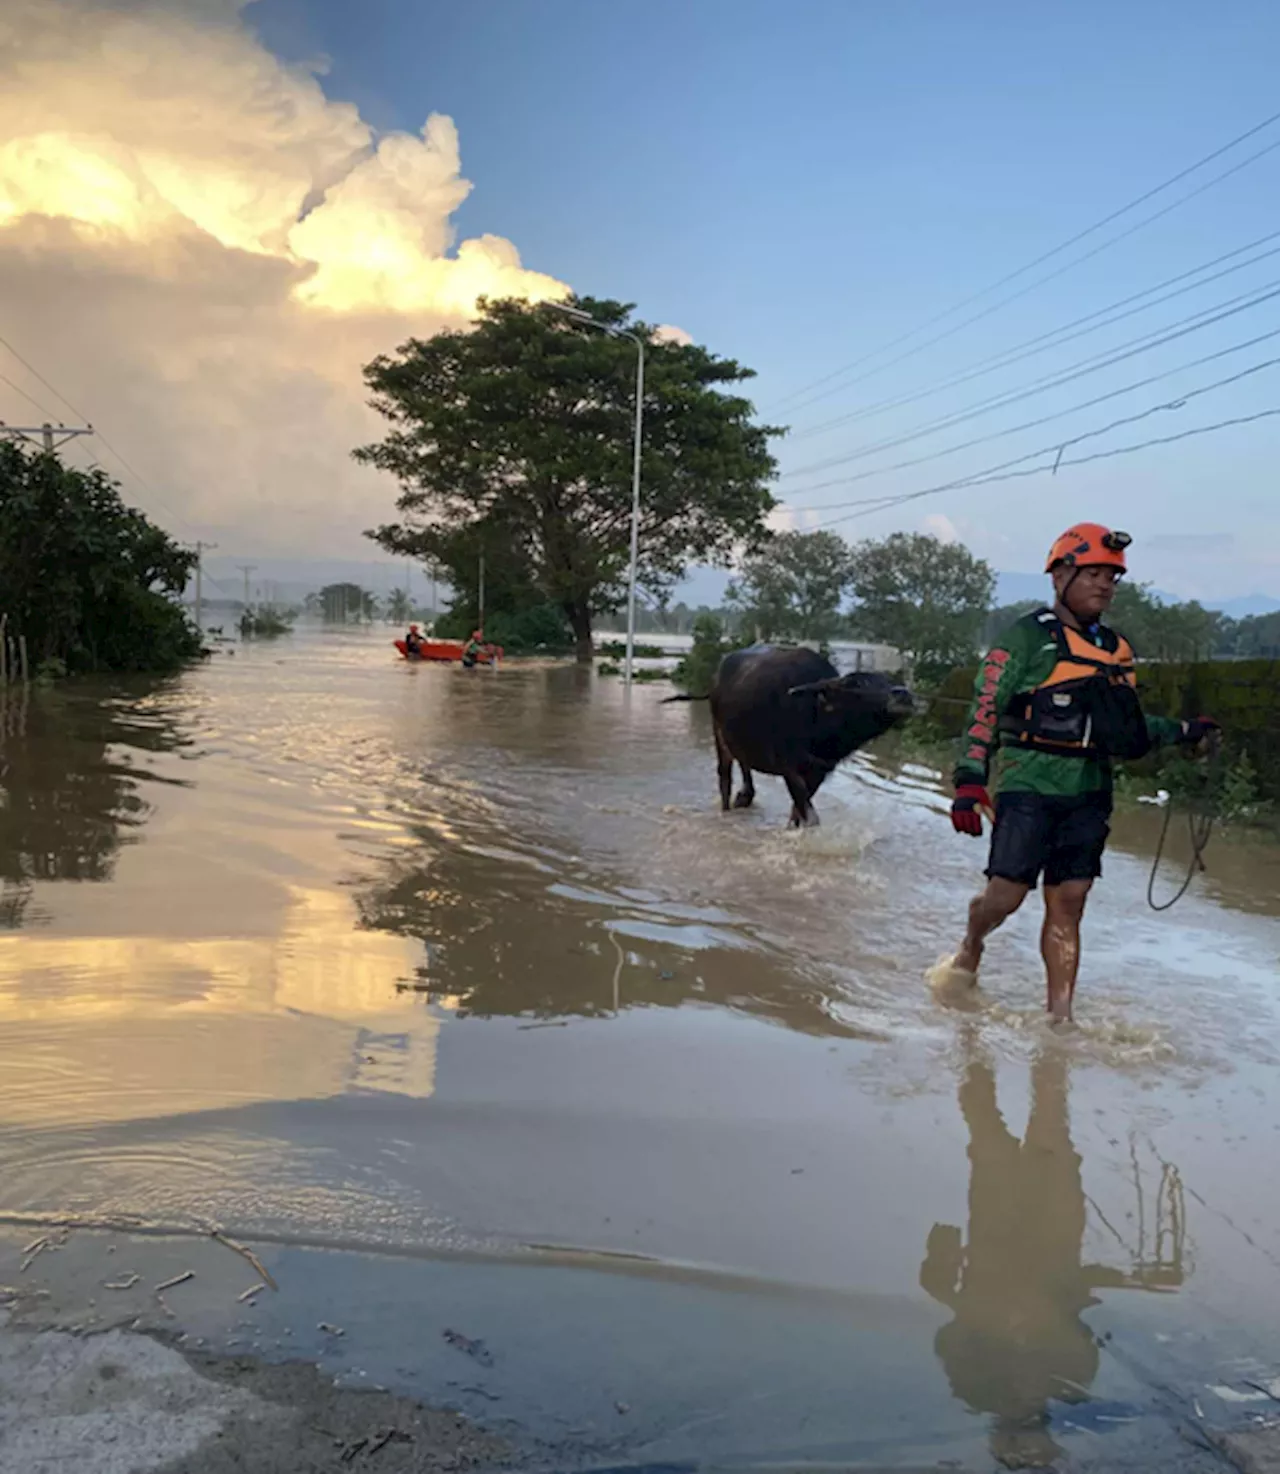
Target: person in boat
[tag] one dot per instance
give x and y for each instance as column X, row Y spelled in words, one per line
column 1058, row 699
column 413, row 642
column 475, row 649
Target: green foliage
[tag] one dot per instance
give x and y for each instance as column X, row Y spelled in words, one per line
column 266, row 623
column 793, row 586
column 1255, row 636
column 537, row 627
column 514, row 438
column 399, row 607
column 999, row 621
column 90, row 582
column 923, row 596
column 696, row 670
column 617, row 649
column 1160, row 631
column 344, row 603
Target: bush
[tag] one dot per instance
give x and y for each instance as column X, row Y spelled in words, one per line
column 697, row 669
column 264, row 624
column 539, row 627
column 617, row 650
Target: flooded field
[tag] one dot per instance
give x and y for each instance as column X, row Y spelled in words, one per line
column 465, row 975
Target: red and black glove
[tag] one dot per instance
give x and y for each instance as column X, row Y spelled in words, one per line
column 1197, row 730
column 966, row 816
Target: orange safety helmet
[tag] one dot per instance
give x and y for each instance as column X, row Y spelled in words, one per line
column 1088, row 544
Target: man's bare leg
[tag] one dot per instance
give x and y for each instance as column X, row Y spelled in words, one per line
column 1060, row 943
column 991, row 909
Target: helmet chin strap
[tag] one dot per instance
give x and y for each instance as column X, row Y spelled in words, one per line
column 1066, row 589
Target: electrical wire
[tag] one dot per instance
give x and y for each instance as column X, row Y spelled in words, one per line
column 1071, row 410
column 1055, row 338
column 988, row 478
column 1207, row 317
column 30, row 398
column 35, row 373
column 1106, row 220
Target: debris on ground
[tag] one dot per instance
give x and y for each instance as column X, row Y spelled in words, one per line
column 477, row 1350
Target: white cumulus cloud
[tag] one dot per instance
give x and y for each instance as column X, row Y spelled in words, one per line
column 199, row 248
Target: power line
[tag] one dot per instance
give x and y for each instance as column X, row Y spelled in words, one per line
column 35, row 373
column 1056, row 415
column 982, row 478
column 1207, row 317
column 1039, row 260
column 1042, row 343
column 30, row 398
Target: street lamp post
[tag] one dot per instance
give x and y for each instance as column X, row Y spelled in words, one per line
column 585, row 317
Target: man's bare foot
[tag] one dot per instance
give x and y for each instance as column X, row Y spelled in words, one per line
column 951, row 981
column 968, row 958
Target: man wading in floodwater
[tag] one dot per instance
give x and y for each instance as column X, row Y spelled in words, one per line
column 1058, row 698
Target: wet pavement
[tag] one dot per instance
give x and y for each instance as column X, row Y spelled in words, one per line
column 454, row 996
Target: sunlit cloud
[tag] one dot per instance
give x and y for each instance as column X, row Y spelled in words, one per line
column 200, row 248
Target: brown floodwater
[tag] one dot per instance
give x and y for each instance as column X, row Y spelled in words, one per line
column 325, row 948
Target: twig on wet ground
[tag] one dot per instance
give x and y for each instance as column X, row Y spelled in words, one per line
column 43, row 1245
column 474, row 1349
column 178, row 1279
column 21, row 1292
column 245, row 1253
column 251, row 1292
column 1263, row 1388
column 381, row 1441
column 124, row 1284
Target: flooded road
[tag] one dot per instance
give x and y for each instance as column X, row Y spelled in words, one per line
column 464, row 974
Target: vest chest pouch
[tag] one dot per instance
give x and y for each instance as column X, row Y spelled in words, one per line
column 1088, row 707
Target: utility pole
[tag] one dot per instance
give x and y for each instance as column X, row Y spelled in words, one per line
column 48, row 437
column 200, row 547
column 247, row 569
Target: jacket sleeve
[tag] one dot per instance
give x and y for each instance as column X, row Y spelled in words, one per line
column 1001, row 674
column 1163, row 731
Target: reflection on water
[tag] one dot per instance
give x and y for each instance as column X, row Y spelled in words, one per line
column 411, row 956
column 484, row 955
column 1014, row 1280
column 71, row 795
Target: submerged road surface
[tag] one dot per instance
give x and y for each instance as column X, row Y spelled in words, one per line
column 455, row 997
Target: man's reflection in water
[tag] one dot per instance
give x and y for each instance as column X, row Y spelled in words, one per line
column 1018, row 1287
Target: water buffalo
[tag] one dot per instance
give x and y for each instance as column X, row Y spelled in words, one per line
column 786, row 711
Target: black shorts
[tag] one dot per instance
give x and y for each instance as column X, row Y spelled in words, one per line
column 1063, row 837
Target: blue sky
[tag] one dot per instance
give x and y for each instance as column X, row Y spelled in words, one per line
column 796, row 185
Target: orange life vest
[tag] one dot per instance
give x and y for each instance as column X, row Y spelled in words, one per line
column 1087, row 706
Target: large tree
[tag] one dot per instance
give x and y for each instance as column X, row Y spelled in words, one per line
column 522, row 427
column 926, row 597
column 793, row 586
column 86, row 581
